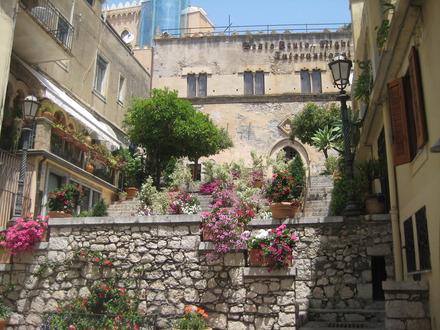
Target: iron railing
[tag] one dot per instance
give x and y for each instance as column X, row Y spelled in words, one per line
column 50, row 18
column 258, row 29
column 9, row 171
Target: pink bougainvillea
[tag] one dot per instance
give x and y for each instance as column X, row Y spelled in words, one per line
column 23, row 234
column 208, row 188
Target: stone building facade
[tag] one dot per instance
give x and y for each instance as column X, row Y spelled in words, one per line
column 331, row 279
column 252, row 84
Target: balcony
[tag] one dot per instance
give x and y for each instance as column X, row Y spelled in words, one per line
column 42, row 33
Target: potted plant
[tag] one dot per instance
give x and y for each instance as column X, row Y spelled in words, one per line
column 4, row 315
column 131, row 171
column 47, row 110
column 272, row 248
column 63, row 202
column 369, row 171
column 23, row 235
column 194, row 318
column 90, row 167
column 280, row 193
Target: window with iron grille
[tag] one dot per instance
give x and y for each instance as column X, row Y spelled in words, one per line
column 423, row 240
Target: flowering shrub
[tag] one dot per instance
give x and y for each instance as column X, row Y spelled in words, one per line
column 281, row 188
column 185, row 203
column 193, row 319
column 256, row 176
column 152, row 201
column 23, row 234
column 223, row 198
column 208, row 188
column 243, row 213
column 107, row 307
column 277, row 244
column 66, row 198
column 95, row 257
column 226, row 231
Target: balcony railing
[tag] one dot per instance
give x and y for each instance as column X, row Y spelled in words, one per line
column 45, row 13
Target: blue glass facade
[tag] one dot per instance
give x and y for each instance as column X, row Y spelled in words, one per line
column 160, row 15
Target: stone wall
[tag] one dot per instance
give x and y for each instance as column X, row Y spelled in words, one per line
column 407, row 305
column 165, row 258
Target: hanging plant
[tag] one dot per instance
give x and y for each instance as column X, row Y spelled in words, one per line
column 364, row 82
column 384, row 29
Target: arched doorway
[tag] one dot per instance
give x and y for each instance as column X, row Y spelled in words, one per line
column 292, row 148
column 290, row 152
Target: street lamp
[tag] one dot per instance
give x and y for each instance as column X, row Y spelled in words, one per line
column 341, row 70
column 30, row 107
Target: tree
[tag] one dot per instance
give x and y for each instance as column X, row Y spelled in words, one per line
column 298, row 171
column 328, row 138
column 166, row 127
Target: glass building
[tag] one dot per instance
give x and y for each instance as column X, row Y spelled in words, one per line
column 160, row 15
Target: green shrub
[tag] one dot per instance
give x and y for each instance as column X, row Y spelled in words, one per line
column 99, row 209
column 342, row 187
column 332, row 165
column 298, row 172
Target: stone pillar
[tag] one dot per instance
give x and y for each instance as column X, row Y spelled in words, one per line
column 42, row 134
column 406, row 305
column 8, row 11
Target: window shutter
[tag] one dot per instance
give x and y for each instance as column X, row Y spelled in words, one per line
column 418, row 106
column 259, row 83
column 248, row 83
column 399, row 122
column 191, row 84
column 305, row 81
column 203, row 85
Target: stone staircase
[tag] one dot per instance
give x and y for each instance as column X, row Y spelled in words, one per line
column 205, row 201
column 317, row 204
column 124, row 209
column 369, row 317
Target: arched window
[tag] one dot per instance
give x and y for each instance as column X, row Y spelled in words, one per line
column 124, row 34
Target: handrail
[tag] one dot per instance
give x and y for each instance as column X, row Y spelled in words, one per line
column 51, row 19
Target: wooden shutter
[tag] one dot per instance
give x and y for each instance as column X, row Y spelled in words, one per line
column 399, row 122
column 418, row 106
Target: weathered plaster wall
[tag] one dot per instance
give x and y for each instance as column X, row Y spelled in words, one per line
column 225, row 58
column 261, row 127
column 332, row 271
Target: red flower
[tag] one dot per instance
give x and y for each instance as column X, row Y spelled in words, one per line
column 122, row 292
column 72, row 327
column 96, row 259
column 108, row 263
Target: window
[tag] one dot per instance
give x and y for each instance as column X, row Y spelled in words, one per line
column 100, row 75
column 254, row 83
column 121, row 89
column 305, row 81
column 197, row 85
column 202, row 81
column 417, row 243
column 316, row 81
column 248, row 83
column 408, row 122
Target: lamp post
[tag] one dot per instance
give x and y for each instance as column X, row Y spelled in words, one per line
column 341, row 70
column 30, row 107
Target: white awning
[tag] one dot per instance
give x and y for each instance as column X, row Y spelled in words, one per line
column 77, row 110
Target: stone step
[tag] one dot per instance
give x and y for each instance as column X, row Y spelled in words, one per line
column 342, row 326
column 347, row 315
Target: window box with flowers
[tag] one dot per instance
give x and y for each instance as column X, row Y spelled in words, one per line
column 272, row 248
column 64, row 201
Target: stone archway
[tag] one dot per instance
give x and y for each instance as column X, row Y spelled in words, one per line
column 298, row 147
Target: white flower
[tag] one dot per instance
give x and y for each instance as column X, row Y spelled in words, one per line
column 262, row 234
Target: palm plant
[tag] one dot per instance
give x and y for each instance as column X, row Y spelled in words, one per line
column 327, row 138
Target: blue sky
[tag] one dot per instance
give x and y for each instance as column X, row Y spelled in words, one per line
column 251, row 12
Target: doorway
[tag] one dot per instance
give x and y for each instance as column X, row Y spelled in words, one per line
column 379, row 274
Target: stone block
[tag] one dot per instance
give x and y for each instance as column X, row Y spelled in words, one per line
column 365, row 291
column 285, row 319
column 234, row 259
column 391, row 324
column 264, row 323
column 422, row 324
column 218, row 321
column 235, row 325
column 404, row 309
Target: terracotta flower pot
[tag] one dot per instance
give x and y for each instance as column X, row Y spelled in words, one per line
column 284, row 210
column 58, row 214
column 3, row 324
column 207, row 234
column 131, row 192
column 257, row 258
column 374, row 206
column 90, row 168
column 48, row 115
column 5, row 257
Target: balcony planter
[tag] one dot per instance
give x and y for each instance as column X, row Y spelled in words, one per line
column 59, row 214
column 5, row 257
column 284, row 210
column 131, row 192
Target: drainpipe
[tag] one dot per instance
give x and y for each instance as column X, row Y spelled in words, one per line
column 394, row 200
